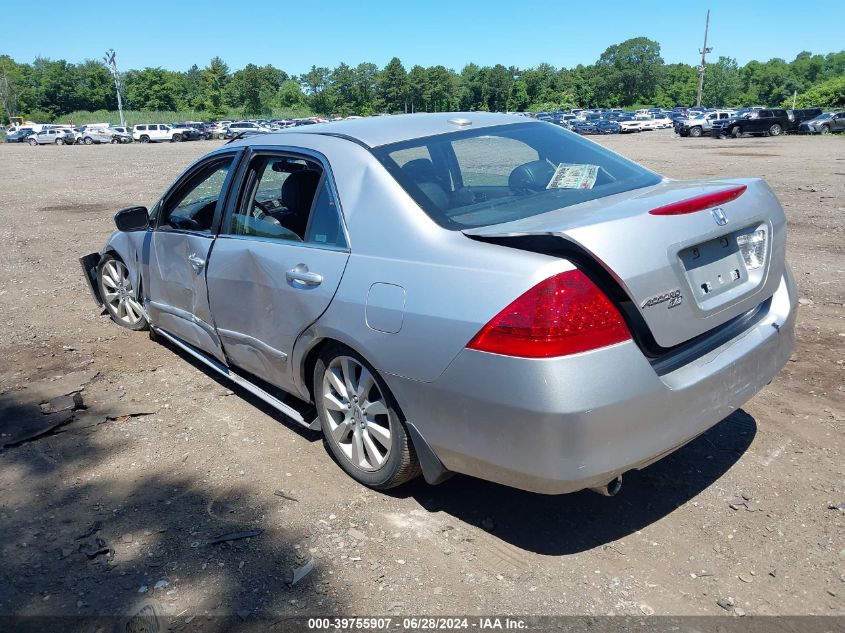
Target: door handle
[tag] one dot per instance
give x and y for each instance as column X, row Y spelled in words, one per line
column 300, row 275
column 197, row 262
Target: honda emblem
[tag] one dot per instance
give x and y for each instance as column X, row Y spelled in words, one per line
column 719, row 216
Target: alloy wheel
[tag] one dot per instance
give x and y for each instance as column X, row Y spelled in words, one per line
column 357, row 413
column 118, row 293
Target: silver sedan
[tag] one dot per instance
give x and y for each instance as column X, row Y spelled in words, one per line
column 475, row 293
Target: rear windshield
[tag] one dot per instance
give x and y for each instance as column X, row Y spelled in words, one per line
column 498, row 174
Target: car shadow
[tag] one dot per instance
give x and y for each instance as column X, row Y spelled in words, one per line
column 568, row 524
column 99, row 537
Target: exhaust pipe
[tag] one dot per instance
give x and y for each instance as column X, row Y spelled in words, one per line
column 610, row 489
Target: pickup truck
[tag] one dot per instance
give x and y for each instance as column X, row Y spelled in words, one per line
column 700, row 124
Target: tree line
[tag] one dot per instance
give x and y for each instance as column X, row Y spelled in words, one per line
column 626, row 75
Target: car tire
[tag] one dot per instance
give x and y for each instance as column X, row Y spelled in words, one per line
column 736, row 131
column 145, row 139
column 32, row 142
column 380, row 459
column 695, row 132
column 177, row 138
column 114, row 141
column 775, row 129
column 825, row 129
column 88, row 140
column 60, row 141
column 116, row 293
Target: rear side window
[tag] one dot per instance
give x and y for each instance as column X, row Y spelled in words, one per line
column 499, row 174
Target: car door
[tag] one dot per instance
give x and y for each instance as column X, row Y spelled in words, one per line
column 838, row 122
column 185, row 226
column 277, row 261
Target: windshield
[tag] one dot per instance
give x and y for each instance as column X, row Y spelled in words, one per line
column 826, row 115
column 498, row 174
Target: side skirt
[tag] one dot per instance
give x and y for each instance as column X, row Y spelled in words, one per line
column 239, row 380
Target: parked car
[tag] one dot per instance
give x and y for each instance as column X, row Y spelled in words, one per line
column 823, row 124
column 629, row 125
column 478, row 315
column 583, row 127
column 662, row 122
column 239, row 127
column 189, row 131
column 770, row 122
column 19, row 135
column 51, row 136
column 797, row 117
column 156, row 132
column 605, row 126
column 702, row 123
column 217, row 130
column 97, row 135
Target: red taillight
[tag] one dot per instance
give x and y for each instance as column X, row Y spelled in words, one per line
column 564, row 314
column 699, row 203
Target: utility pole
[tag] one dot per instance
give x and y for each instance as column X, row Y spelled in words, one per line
column 703, row 52
column 118, row 84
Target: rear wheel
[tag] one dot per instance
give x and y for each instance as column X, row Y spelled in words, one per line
column 360, row 420
column 60, row 141
column 145, row 139
column 177, row 138
column 118, row 295
column 775, row 129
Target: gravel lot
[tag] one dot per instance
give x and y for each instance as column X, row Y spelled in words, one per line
column 749, row 518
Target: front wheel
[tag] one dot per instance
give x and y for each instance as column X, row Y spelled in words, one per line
column 825, row 129
column 360, row 421
column 33, row 142
column 736, row 132
column 118, row 294
column 88, row 140
column 695, row 132
column 775, row 129
column 60, row 141
column 177, row 138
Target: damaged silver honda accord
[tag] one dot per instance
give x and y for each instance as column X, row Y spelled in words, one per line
column 473, row 293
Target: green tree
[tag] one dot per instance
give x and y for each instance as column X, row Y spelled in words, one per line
column 419, row 90
column 315, row 82
column 829, row 94
column 629, row 72
column 290, row 95
column 722, row 84
column 497, row 86
column 393, row 86
column 213, row 78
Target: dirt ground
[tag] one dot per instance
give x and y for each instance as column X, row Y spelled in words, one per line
column 119, row 505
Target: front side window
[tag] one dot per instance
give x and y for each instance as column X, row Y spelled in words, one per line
column 287, row 198
column 498, row 174
column 192, row 205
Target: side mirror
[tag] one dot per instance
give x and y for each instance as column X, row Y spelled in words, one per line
column 132, row 219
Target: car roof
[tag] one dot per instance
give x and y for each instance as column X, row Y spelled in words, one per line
column 385, row 130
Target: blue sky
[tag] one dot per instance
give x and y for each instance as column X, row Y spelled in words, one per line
column 294, row 35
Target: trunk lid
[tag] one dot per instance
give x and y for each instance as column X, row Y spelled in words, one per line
column 686, row 274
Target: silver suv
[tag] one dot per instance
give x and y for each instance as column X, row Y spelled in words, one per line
column 51, row 136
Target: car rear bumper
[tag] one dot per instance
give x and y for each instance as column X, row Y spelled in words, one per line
column 563, row 424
